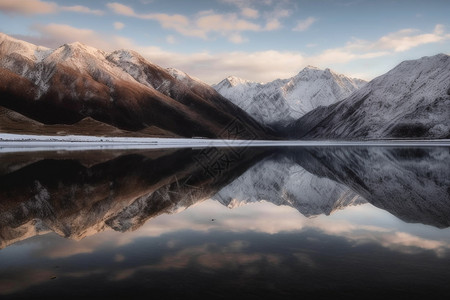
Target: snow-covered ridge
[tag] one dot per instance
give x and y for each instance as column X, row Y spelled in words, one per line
column 101, row 65
column 411, row 100
column 285, row 100
column 28, row 50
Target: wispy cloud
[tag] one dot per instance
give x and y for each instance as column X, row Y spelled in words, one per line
column 53, row 35
column 249, row 13
column 303, row 25
column 170, row 39
column 204, row 23
column 408, row 38
column 28, row 7
column 33, row 7
column 399, row 41
column 118, row 25
column 82, row 9
column 121, row 9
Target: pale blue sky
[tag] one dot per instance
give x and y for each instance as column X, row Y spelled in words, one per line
column 257, row 40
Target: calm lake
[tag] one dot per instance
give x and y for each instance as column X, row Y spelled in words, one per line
column 248, row 223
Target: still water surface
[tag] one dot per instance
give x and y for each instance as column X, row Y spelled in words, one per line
column 246, row 223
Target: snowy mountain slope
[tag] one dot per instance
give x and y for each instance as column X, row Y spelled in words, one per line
column 283, row 101
column 411, row 100
column 121, row 88
column 281, row 181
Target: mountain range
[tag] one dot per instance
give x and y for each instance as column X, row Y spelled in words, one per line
column 285, row 100
column 412, row 100
column 121, row 89
column 75, row 87
column 78, row 194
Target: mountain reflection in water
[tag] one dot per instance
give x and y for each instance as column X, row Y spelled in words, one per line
column 364, row 225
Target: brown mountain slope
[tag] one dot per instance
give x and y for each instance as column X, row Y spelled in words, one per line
column 75, row 81
column 13, row 122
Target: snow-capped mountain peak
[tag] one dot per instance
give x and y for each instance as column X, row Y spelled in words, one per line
column 125, row 55
column 285, row 100
column 10, row 45
column 412, row 100
column 234, row 81
column 76, row 51
column 183, row 76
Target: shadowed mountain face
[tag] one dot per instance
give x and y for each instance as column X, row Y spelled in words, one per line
column 78, row 195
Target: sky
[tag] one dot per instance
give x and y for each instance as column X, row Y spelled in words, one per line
column 258, row 40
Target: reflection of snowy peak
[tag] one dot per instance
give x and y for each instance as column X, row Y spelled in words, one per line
column 411, row 100
column 281, row 101
column 282, row 182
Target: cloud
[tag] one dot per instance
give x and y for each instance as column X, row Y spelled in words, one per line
column 203, row 24
column 170, row 39
column 249, row 13
column 28, row 7
column 82, row 9
column 208, row 256
column 32, row 7
column 177, row 22
column 54, row 35
column 273, row 25
column 236, row 38
column 398, row 241
column 280, row 13
column 225, row 23
column 409, row 38
column 118, row 25
column 303, row 25
column 399, row 41
column 121, row 9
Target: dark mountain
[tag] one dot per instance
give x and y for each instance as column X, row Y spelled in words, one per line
column 122, row 89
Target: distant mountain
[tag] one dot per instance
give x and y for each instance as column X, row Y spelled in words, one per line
column 410, row 101
column 285, row 100
column 121, row 88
